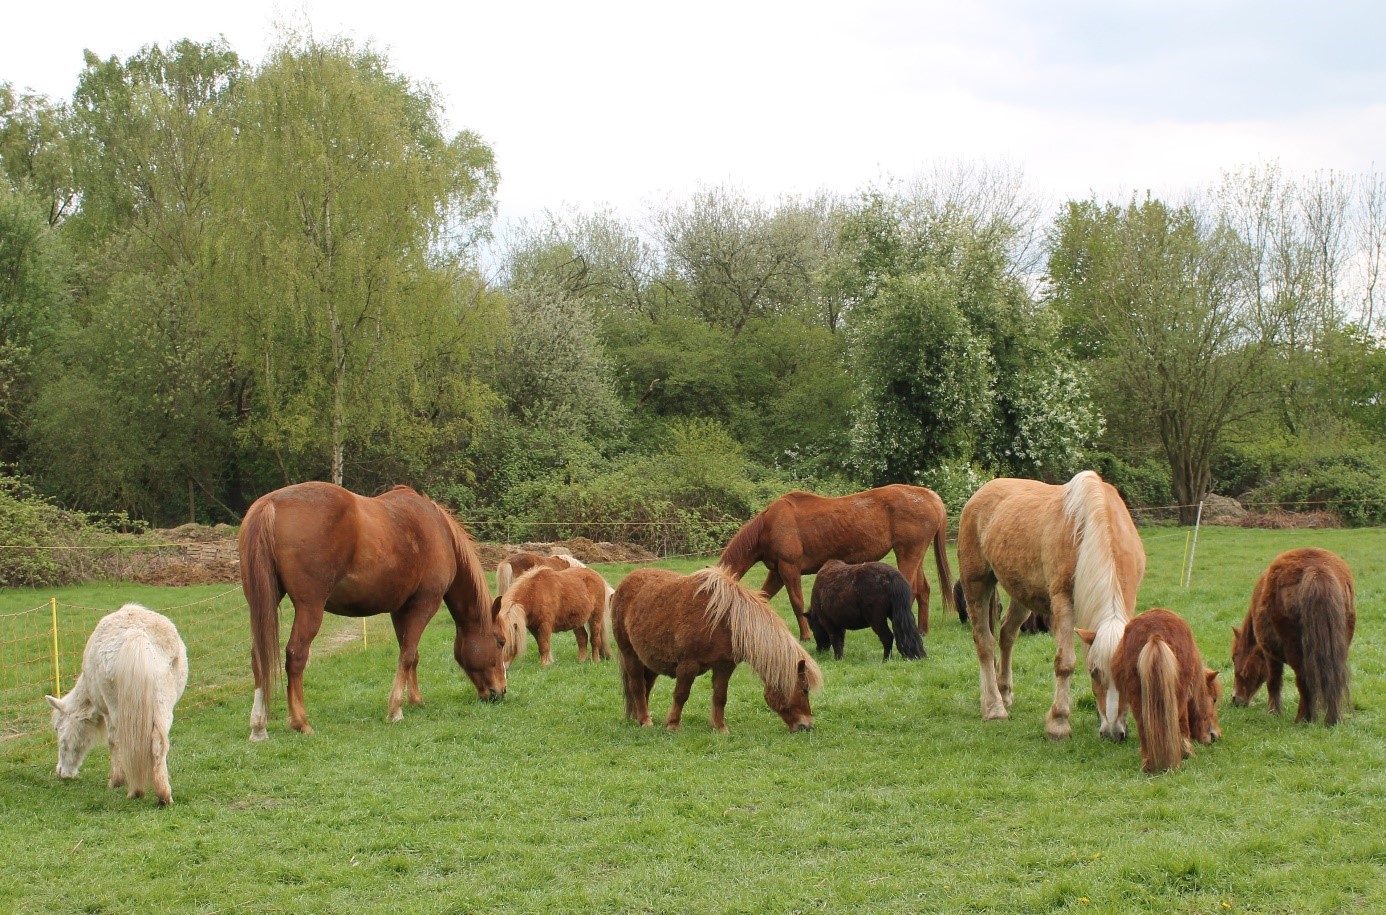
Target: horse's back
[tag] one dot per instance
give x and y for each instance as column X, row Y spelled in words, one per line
column 134, row 631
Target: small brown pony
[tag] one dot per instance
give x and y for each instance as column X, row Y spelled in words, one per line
column 684, row 625
column 798, row 532
column 1068, row 552
column 331, row 550
column 1161, row 677
column 1303, row 613
column 517, row 564
column 545, row 601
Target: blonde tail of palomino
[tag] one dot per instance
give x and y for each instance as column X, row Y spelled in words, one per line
column 1070, row 553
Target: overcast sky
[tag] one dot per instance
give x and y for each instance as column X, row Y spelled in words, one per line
column 620, row 103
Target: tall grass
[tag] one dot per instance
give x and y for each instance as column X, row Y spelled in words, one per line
column 901, row 799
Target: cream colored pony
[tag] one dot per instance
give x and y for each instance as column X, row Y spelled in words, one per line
column 1068, row 552
column 134, row 670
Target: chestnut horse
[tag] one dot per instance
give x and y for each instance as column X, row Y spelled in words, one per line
column 1068, row 552
column 546, row 601
column 798, row 532
column 868, row 594
column 684, row 625
column 331, row 550
column 1303, row 613
column 517, row 564
column 1161, row 677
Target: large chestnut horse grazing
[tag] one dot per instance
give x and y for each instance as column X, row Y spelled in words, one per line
column 332, row 550
column 682, row 626
column 1303, row 613
column 1068, row 552
column 1162, row 679
column 800, row 531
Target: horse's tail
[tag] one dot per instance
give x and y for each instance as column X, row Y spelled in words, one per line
column 601, row 626
column 758, row 636
column 960, row 601
column 512, row 621
column 1324, row 604
column 1162, row 744
column 743, row 550
column 505, row 577
column 945, row 574
column 139, row 739
column 907, row 638
column 619, row 601
column 260, row 582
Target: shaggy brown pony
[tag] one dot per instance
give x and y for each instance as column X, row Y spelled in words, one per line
column 800, row 531
column 546, row 601
column 517, row 564
column 1303, row 613
column 1161, row 677
column 682, row 626
column 868, row 594
column 1069, row 552
column 333, row 551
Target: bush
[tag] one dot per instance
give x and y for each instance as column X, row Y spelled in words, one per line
column 1350, row 485
column 44, row 545
column 1142, row 482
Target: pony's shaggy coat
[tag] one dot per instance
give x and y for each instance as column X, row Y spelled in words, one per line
column 800, row 531
column 545, row 601
column 1303, row 613
column 1069, row 552
column 868, row 594
column 134, row 670
column 684, row 625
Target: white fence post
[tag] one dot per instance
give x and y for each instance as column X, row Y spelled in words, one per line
column 1198, row 519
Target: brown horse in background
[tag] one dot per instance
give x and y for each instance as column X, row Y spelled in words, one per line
column 1068, row 552
column 517, row 564
column 798, row 532
column 682, row 626
column 331, row 550
column 1161, row 677
column 545, row 601
column 1303, row 613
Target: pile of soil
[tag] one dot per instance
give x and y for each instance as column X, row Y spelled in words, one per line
column 1277, row 519
column 588, row 551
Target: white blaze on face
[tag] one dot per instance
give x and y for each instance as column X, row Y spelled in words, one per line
column 1113, row 706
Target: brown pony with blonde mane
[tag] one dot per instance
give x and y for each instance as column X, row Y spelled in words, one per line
column 545, row 601
column 333, row 551
column 516, row 564
column 1303, row 613
column 1071, row 553
column 682, row 626
column 1161, row 677
column 798, row 532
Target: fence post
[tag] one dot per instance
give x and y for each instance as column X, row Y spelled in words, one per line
column 57, row 671
column 364, row 643
column 1193, row 549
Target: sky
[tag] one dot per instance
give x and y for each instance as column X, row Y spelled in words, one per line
column 622, row 105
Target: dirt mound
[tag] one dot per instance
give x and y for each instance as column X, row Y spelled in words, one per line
column 1276, row 519
column 1222, row 510
column 178, row 572
column 588, row 551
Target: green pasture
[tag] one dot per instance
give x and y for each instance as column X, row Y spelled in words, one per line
column 901, row 800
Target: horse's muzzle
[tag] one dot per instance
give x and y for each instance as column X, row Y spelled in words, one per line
column 494, row 695
column 1239, row 702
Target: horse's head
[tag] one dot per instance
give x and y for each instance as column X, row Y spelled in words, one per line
column 1203, row 709
column 77, row 732
column 478, row 650
column 794, row 708
column 1249, row 665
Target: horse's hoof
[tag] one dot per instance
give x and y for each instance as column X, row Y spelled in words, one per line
column 166, row 801
column 306, row 730
column 257, row 736
column 1058, row 731
column 672, row 725
column 397, row 715
column 995, row 714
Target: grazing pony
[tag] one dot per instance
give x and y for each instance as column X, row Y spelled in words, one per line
column 684, row 625
column 1303, row 613
column 134, row 670
column 1068, row 552
column 1034, row 623
column 857, row 596
column 1162, row 678
column 799, row 531
column 333, row 551
column 546, row 601
column 517, row 564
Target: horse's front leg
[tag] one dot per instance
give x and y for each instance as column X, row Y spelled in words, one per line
column 307, row 622
column 1274, row 681
column 409, row 624
column 1058, row 724
column 794, row 585
column 979, row 594
column 684, row 675
column 543, row 635
column 1010, row 631
column 721, row 674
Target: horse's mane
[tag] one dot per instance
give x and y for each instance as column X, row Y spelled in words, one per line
column 759, row 637
column 744, row 548
column 512, row 620
column 1098, row 601
column 468, row 562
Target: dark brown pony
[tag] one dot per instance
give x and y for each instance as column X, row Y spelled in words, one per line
column 1303, row 613
column 517, row 564
column 682, row 626
column 1161, row 677
column 546, row 601
column 1068, row 552
column 331, row 550
column 868, row 594
column 799, row 531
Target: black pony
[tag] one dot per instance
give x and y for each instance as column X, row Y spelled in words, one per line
column 1033, row 623
column 857, row 596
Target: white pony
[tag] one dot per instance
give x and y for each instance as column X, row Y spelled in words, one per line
column 134, row 670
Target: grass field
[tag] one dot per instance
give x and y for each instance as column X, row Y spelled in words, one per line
column 901, row 799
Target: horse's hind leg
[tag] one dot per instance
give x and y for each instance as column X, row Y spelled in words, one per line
column 259, row 712
column 979, row 596
column 721, row 674
column 117, row 778
column 1010, row 631
column 882, row 630
column 581, row 635
column 159, row 746
column 307, row 622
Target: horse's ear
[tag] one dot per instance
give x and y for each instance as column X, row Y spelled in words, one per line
column 56, row 703
column 1236, row 633
column 1087, row 635
column 495, row 608
column 1211, row 675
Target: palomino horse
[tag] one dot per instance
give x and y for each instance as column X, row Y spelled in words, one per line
column 517, row 564
column 546, row 601
column 134, row 670
column 1303, row 613
column 1068, row 552
column 332, row 550
column 684, row 625
column 798, row 532
column 1161, row 677
column 868, row 594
